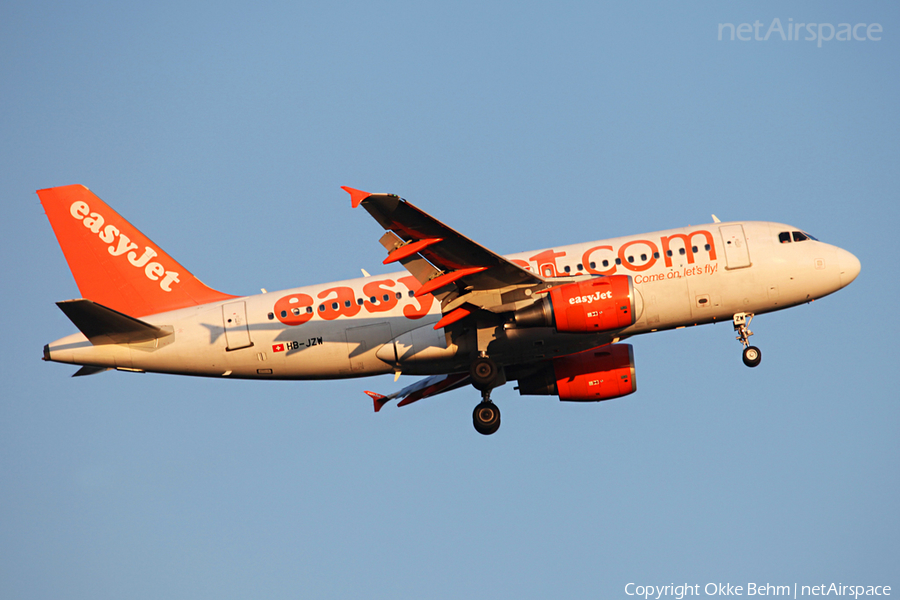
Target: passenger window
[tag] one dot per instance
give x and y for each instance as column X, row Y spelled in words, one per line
column 309, row 309
column 580, row 267
column 359, row 301
column 567, row 269
column 618, row 261
column 334, row 306
column 411, row 293
column 605, row 263
column 399, row 295
column 656, row 255
column 594, row 265
column 694, row 249
column 386, row 297
column 347, row 303
column 681, row 251
column 296, row 311
column 283, row 314
column 643, row 257
column 668, row 253
column 321, row 308
column 707, row 247
column 271, row 316
column 631, row 259
column 800, row 237
column 784, row 237
column 373, row 299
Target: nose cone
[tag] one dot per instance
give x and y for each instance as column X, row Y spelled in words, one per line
column 850, row 267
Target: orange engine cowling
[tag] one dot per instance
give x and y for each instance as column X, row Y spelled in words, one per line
column 597, row 304
column 598, row 374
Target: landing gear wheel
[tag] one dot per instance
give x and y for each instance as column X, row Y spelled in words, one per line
column 484, row 374
column 486, row 418
column 752, row 356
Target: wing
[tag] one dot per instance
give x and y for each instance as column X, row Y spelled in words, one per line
column 430, row 386
column 442, row 259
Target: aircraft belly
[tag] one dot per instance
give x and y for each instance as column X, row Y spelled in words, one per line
column 364, row 344
column 706, row 298
column 812, row 275
column 420, row 345
column 332, row 349
column 530, row 345
column 318, row 356
column 666, row 303
column 76, row 349
column 728, row 293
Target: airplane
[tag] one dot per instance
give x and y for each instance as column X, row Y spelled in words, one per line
column 552, row 320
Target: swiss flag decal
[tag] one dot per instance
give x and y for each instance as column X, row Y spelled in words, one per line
column 277, row 347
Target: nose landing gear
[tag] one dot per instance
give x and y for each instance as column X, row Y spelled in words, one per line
column 752, row 355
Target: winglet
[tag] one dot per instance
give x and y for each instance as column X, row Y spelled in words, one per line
column 378, row 399
column 356, row 196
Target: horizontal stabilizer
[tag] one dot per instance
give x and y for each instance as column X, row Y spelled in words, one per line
column 430, row 386
column 102, row 325
column 89, row 371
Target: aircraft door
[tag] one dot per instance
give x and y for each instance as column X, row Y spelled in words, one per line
column 737, row 255
column 234, row 317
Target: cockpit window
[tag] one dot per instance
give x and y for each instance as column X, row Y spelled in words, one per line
column 785, row 237
column 799, row 236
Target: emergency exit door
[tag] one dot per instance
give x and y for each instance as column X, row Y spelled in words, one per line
column 237, row 334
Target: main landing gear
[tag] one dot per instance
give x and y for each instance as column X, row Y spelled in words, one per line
column 486, row 418
column 486, row 375
column 752, row 355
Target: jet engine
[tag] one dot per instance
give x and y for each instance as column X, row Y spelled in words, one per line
column 598, row 374
column 597, row 304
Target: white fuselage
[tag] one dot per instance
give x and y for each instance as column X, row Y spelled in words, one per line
column 373, row 325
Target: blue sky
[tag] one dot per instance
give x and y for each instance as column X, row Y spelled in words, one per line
column 224, row 132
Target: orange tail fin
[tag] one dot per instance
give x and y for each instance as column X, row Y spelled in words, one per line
column 113, row 263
